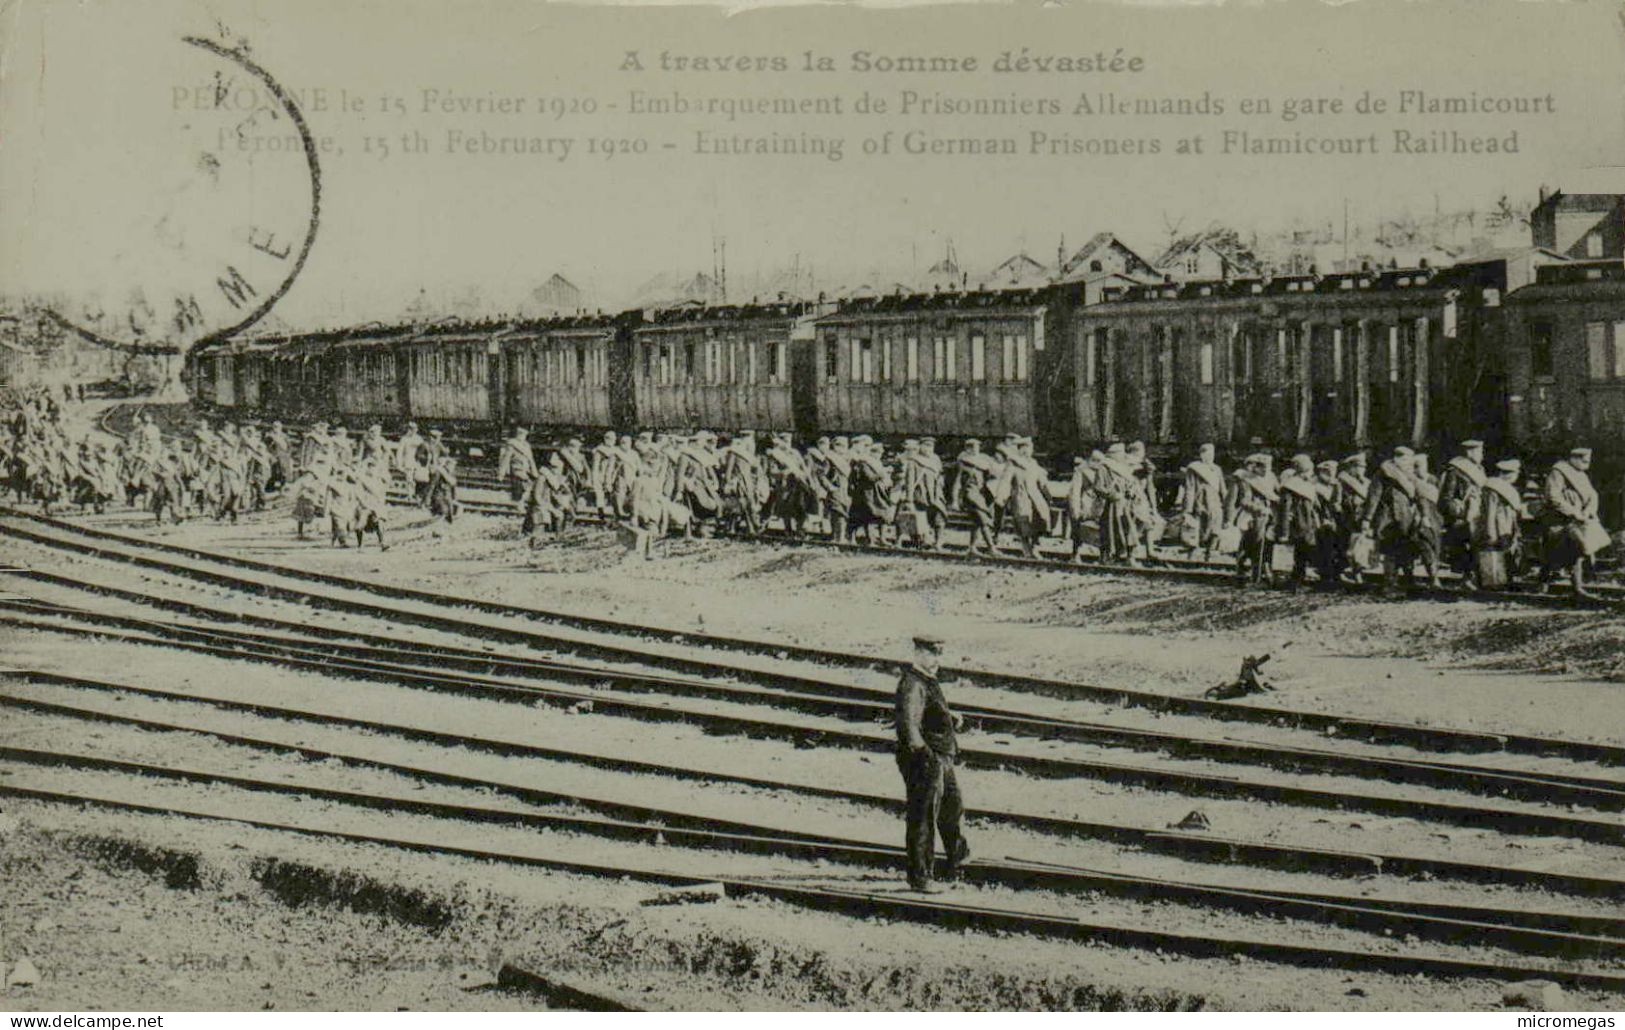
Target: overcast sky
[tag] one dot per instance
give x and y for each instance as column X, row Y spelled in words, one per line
column 104, row 180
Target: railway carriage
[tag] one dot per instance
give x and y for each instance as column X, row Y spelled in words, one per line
column 566, row 372
column 452, row 373
column 720, row 367
column 1331, row 362
column 1563, row 370
column 941, row 364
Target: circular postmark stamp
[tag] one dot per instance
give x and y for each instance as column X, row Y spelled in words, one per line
column 209, row 220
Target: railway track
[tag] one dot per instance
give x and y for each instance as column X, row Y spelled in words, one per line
column 1543, row 933
column 425, row 672
column 1533, row 932
column 1183, row 844
column 597, row 638
column 851, row 702
column 862, row 903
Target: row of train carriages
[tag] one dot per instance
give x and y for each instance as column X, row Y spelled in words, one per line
column 1527, row 356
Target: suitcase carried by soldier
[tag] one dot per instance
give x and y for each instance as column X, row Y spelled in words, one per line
column 1492, row 569
column 912, row 526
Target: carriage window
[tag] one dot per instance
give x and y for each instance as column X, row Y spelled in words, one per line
column 1207, row 362
column 1593, row 245
column 1540, row 352
column 912, row 360
column 863, row 361
column 1619, row 350
column 978, row 358
column 1393, row 354
column 1091, row 344
column 1337, row 354
column 1280, row 352
column 885, row 359
column 1241, row 357
column 950, row 364
column 1007, row 364
column 777, row 375
column 733, row 361
column 750, row 361
column 581, row 362
column 1597, row 362
column 690, row 363
column 832, row 359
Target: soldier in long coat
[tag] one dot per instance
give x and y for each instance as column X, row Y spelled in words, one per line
column 973, row 494
column 407, row 460
column 374, row 446
column 1082, row 501
column 743, row 486
column 371, row 493
column 316, row 447
column 281, row 451
column 516, row 465
column 343, row 447
column 577, row 469
column 1393, row 515
column 548, row 500
column 1029, row 497
column 229, row 479
column 309, row 493
column 606, row 473
column 1250, row 506
column 1353, row 486
column 1497, row 529
column 1331, row 552
column 649, row 512
column 440, row 495
column 1430, row 532
column 872, row 506
column 1460, row 485
column 936, row 501
column 793, row 492
column 920, row 492
column 1573, row 532
column 1301, row 516
column 256, row 468
column 1201, row 502
column 698, row 486
column 1119, row 491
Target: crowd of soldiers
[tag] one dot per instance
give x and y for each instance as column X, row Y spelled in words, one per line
column 1338, row 518
column 223, row 472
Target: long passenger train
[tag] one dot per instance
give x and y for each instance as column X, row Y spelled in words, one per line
column 1328, row 363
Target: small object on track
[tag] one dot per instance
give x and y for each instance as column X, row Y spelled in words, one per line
column 1195, row 820
column 693, row 894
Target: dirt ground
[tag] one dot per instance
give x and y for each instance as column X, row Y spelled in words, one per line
column 121, row 914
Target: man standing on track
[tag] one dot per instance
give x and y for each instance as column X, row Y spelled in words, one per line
column 926, row 753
